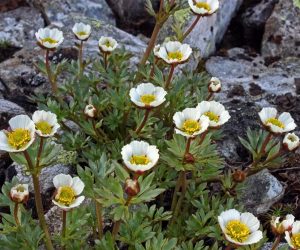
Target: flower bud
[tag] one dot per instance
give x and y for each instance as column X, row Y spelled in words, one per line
column 132, row 187
column 189, row 158
column 214, row 85
column 278, row 227
column 90, row 111
column 239, row 176
column 291, row 142
column 19, row 193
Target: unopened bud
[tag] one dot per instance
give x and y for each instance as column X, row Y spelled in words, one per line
column 239, row 176
column 19, row 193
column 90, row 111
column 132, row 187
column 214, row 85
column 189, row 158
column 291, row 142
column 279, row 227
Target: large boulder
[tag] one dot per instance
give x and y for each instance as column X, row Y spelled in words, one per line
column 282, row 31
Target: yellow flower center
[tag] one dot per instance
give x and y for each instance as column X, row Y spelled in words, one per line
column 18, row 138
column 190, row 126
column 65, row 195
column 237, row 230
column 291, row 138
column 49, row 40
column 212, row 116
column 20, row 188
column 275, row 122
column 203, row 5
column 147, row 99
column 108, row 44
column 44, row 127
column 139, row 160
column 296, row 240
column 176, row 55
column 81, row 33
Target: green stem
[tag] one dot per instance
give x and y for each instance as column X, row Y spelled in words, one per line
column 189, row 30
column 98, row 207
column 105, row 60
column 202, row 138
column 177, row 187
column 143, row 123
column 16, row 210
column 188, row 146
column 49, row 73
column 80, row 58
column 64, row 226
column 38, row 203
column 265, row 143
column 39, row 153
column 168, row 82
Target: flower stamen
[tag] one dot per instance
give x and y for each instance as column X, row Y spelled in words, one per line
column 147, row 99
column 190, row 126
column 275, row 122
column 212, row 116
column 44, row 127
column 65, row 195
column 18, row 138
column 237, row 230
column 176, row 55
column 139, row 160
column 49, row 40
column 203, row 5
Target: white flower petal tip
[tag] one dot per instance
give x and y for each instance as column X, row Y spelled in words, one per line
column 214, row 85
column 276, row 124
column 107, row 44
column 45, row 123
column 174, row 52
column 156, row 50
column 215, row 112
column 293, row 237
column 20, row 135
column 146, row 95
column 90, row 111
column 240, row 228
column 291, row 142
column 82, row 31
column 139, row 156
column 279, row 226
column 204, row 7
column 49, row 38
column 190, row 123
column 67, row 192
column 19, row 193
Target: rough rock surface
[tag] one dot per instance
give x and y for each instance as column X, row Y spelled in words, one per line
column 208, row 32
column 268, row 246
column 66, row 12
column 282, row 31
column 18, row 26
column 261, row 191
column 8, row 110
column 46, row 176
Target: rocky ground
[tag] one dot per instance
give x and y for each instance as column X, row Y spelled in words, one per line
column 252, row 46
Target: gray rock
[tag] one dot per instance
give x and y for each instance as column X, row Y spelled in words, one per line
column 54, row 219
column 18, row 26
column 282, row 31
column 208, row 32
column 66, row 12
column 8, row 110
column 46, row 176
column 261, row 191
column 281, row 246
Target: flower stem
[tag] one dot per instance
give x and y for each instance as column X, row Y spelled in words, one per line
column 276, row 243
column 80, row 58
column 16, row 210
column 39, row 153
column 202, row 138
column 177, row 187
column 98, row 207
column 188, row 146
column 49, row 73
column 209, row 96
column 265, row 143
column 64, row 226
column 189, row 30
column 105, row 60
column 143, row 123
column 170, row 77
column 38, row 203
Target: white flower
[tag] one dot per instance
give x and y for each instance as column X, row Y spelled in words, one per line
column 107, row 44
column 293, row 237
column 214, row 84
column 291, row 141
column 19, row 193
column 45, row 123
column 189, row 123
column 82, row 31
column 215, row 111
column 204, row 7
column 68, row 190
column 277, row 124
column 147, row 95
column 90, row 110
column 174, row 52
column 240, row 228
column 156, row 50
column 139, row 156
column 285, row 225
column 20, row 135
column 49, row 38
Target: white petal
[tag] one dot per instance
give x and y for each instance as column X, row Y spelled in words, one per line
column 251, row 221
column 77, row 185
column 62, row 180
